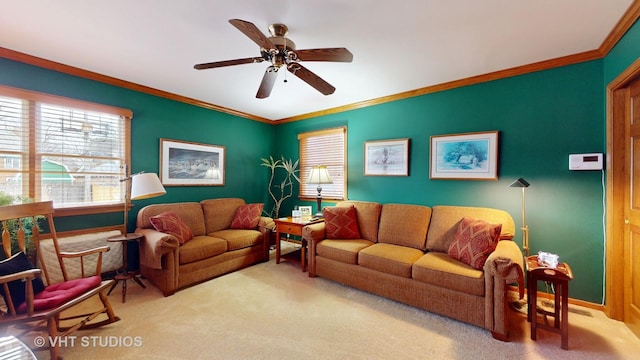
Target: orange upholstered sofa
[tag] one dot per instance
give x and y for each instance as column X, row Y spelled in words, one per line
column 402, row 252
column 216, row 247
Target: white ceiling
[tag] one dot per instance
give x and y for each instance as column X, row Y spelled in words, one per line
column 398, row 46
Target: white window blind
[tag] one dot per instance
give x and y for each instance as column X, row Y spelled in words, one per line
column 328, row 148
column 59, row 149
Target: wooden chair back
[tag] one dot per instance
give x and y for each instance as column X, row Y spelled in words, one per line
column 34, row 212
column 11, row 219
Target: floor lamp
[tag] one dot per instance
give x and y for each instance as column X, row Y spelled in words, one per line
column 319, row 175
column 521, row 305
column 140, row 186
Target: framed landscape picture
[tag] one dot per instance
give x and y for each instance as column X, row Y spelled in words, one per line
column 469, row 156
column 386, row 157
column 185, row 163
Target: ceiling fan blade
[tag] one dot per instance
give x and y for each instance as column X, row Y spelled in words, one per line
column 268, row 80
column 310, row 78
column 253, row 33
column 326, row 54
column 217, row 64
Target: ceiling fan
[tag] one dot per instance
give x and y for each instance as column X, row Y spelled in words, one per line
column 281, row 51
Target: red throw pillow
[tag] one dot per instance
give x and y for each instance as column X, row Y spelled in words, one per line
column 170, row 223
column 247, row 216
column 474, row 241
column 341, row 223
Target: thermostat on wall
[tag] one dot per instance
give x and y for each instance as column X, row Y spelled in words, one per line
column 585, row 161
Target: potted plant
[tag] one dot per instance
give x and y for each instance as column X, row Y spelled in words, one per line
column 13, row 227
column 282, row 190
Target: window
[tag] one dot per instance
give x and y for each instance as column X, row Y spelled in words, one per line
column 68, row 151
column 328, row 148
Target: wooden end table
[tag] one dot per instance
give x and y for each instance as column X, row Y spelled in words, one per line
column 559, row 277
column 292, row 226
column 123, row 274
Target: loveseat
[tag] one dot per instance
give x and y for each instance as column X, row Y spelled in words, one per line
column 221, row 236
column 402, row 252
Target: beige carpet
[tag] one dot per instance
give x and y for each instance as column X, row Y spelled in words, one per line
column 271, row 311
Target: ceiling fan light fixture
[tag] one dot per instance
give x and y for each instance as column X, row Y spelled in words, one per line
column 279, row 51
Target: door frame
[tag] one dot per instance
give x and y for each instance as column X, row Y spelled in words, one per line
column 617, row 111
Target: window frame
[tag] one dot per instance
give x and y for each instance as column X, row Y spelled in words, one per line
column 306, row 164
column 33, row 98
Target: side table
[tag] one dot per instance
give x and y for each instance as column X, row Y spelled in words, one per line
column 123, row 274
column 292, row 226
column 559, row 277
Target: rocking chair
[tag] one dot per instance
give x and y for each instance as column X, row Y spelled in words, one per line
column 29, row 304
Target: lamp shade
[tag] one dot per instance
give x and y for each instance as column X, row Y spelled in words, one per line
column 521, row 183
column 146, row 185
column 319, row 175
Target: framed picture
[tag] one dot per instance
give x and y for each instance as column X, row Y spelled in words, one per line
column 469, row 156
column 386, row 157
column 305, row 211
column 184, row 163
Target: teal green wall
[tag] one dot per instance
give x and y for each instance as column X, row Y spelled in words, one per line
column 542, row 118
column 245, row 141
column 623, row 54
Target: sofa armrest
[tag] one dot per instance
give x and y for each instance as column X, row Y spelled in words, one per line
column 266, row 223
column 503, row 266
column 313, row 234
column 506, row 263
column 266, row 226
column 154, row 245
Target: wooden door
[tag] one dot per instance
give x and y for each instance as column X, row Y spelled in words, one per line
column 632, row 210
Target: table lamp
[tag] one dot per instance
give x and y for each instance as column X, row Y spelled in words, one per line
column 319, row 175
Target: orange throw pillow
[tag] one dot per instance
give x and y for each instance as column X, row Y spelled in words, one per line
column 340, row 223
column 247, row 216
column 170, row 223
column 474, row 241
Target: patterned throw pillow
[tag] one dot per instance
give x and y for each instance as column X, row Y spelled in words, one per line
column 474, row 241
column 247, row 216
column 170, row 223
column 341, row 223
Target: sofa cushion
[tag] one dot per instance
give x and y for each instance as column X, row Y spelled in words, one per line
column 340, row 223
column 444, row 224
column 219, row 213
column 169, row 222
column 441, row 270
column 368, row 214
column 390, row 259
column 239, row 238
column 15, row 264
column 345, row 251
column 474, row 241
column 247, row 216
column 405, row 225
column 201, row 247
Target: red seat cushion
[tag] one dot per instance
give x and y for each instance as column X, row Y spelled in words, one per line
column 57, row 294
